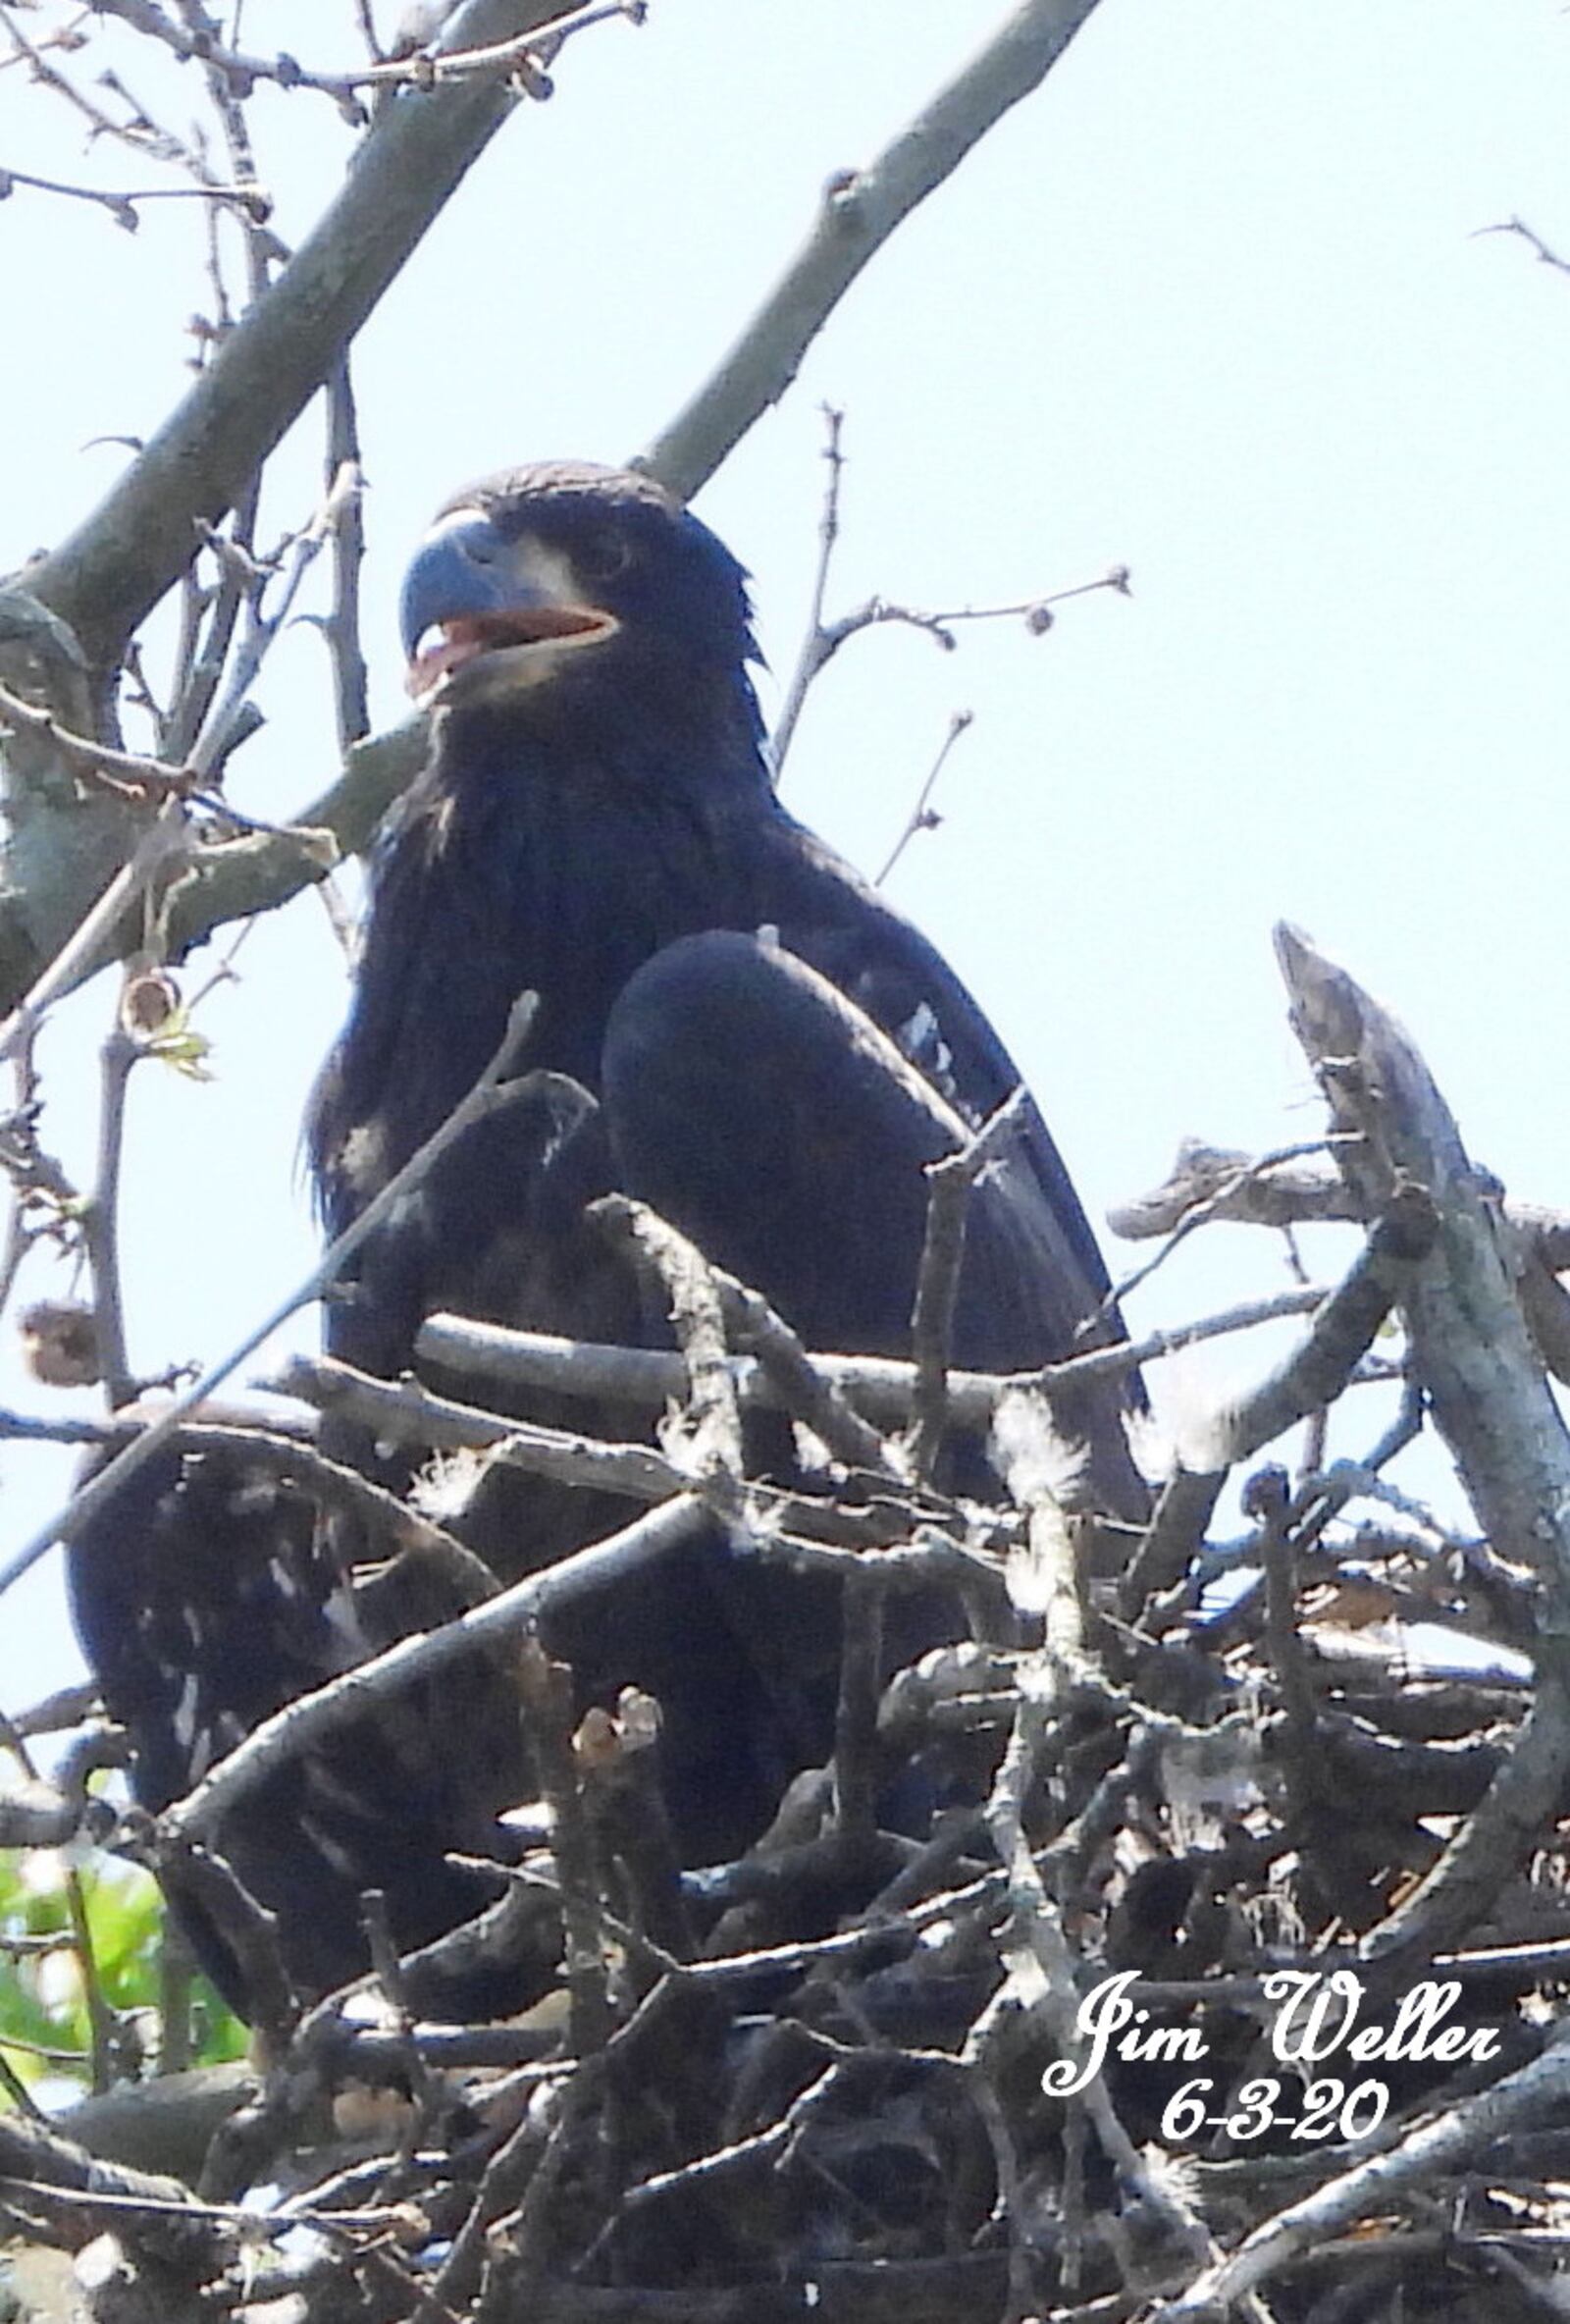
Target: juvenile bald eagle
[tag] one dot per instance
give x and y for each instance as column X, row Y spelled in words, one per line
column 774, row 1051
column 768, row 1053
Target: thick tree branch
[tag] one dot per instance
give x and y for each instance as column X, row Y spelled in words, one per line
column 114, row 568
column 1312, row 1376
column 107, row 575
column 267, row 868
column 1286, row 1189
column 881, row 1385
column 33, row 2157
column 1487, row 1391
column 860, row 210
column 404, row 1412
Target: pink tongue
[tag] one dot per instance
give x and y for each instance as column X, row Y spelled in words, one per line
column 451, row 649
column 460, row 641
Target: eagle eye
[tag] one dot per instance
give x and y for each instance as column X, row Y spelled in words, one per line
column 601, row 556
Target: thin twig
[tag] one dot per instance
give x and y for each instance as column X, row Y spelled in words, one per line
column 824, row 638
column 126, row 772
column 350, row 681
column 177, row 1981
column 1519, row 225
column 545, row 1689
column 11, row 2082
column 922, row 816
column 102, row 1222
column 1315, row 1373
column 121, row 202
column 140, row 133
column 809, row 659
column 423, row 70
column 805, row 1390
column 100, row 2015
column 216, row 742
column 856, row 1727
column 22, row 1162
column 367, row 24
column 1270, row 1501
column 950, row 1183
column 679, row 1270
column 1034, row 611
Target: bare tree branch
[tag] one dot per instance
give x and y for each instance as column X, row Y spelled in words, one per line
column 949, row 1188
column 923, row 815
column 512, row 1611
column 108, row 574
column 1536, row 2094
column 491, row 1090
column 115, row 568
column 163, row 839
column 1312, row 1375
column 881, row 1385
column 860, row 209
column 1487, row 1391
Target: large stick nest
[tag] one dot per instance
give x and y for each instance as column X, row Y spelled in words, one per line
column 1198, row 1792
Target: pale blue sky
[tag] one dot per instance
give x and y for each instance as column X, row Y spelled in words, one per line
column 1212, row 304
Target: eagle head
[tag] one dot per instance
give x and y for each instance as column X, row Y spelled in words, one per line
column 545, row 575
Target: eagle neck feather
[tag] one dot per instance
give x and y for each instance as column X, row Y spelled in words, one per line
column 522, row 860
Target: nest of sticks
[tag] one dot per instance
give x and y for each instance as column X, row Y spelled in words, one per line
column 1223, row 1979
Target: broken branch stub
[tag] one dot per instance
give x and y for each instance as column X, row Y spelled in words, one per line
column 1487, row 1389
column 1472, row 1353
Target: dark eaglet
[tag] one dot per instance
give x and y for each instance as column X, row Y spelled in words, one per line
column 731, row 1027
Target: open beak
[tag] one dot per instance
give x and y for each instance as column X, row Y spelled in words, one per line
column 471, row 595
